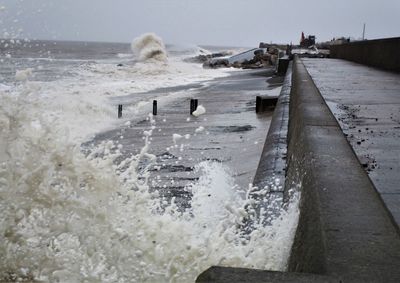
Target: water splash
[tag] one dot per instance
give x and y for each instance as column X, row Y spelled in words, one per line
column 149, row 46
column 70, row 217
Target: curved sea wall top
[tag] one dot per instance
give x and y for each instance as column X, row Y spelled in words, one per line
column 380, row 53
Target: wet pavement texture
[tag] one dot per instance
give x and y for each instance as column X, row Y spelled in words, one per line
column 233, row 133
column 366, row 103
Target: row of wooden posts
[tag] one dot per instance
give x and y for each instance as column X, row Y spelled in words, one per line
column 193, row 106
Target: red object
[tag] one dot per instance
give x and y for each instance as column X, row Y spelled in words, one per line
column 302, row 38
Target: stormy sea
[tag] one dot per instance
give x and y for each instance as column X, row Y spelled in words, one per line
column 77, row 196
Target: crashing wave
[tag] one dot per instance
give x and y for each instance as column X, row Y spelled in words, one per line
column 149, row 46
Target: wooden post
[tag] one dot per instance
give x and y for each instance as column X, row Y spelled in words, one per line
column 154, row 107
column 119, row 111
column 193, row 105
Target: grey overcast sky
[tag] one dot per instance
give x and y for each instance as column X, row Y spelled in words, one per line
column 216, row 22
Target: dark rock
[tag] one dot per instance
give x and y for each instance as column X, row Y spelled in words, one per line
column 219, row 63
column 203, row 58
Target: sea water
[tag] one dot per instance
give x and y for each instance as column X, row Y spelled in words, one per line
column 70, row 216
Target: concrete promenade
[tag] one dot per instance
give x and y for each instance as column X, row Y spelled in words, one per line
column 366, row 103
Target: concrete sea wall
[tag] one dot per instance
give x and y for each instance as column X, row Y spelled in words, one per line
column 380, row 53
column 344, row 229
column 345, row 234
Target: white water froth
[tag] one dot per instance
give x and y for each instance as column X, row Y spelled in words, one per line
column 71, row 218
column 23, row 75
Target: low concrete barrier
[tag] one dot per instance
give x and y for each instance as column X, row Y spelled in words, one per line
column 380, row 53
column 283, row 65
column 265, row 102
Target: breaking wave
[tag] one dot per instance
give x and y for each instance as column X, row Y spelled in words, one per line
column 149, row 46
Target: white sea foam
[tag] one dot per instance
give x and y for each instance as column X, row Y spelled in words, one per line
column 4, row 87
column 199, row 129
column 124, row 55
column 71, row 218
column 176, row 137
column 23, row 75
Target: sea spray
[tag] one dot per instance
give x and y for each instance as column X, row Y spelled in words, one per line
column 68, row 217
column 149, row 46
column 23, row 75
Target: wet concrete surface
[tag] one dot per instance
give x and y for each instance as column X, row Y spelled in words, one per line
column 233, row 133
column 366, row 103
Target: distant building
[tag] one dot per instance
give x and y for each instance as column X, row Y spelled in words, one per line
column 307, row 42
